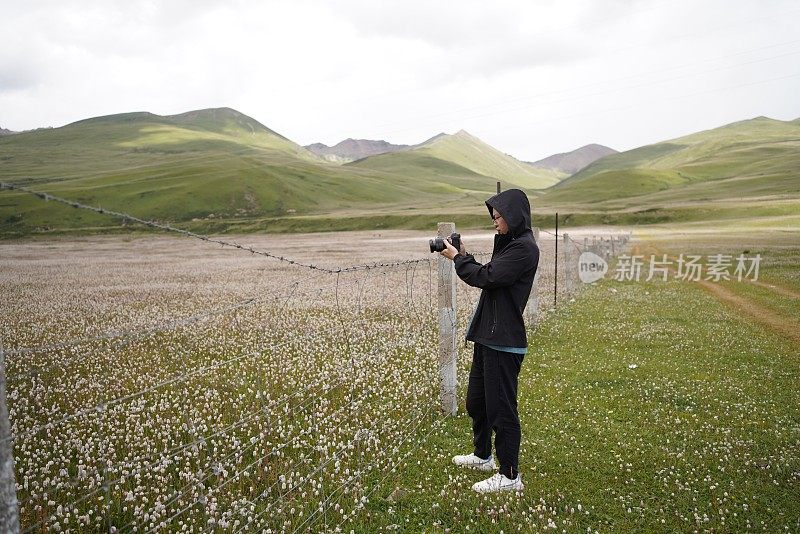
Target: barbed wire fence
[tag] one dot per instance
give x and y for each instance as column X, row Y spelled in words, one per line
column 316, row 395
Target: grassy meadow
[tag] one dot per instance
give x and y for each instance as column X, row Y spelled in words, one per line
column 158, row 383
column 716, row 174
column 219, row 171
column 646, row 406
column 461, row 153
column 235, row 393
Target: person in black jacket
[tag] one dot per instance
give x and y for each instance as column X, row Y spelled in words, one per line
column 497, row 330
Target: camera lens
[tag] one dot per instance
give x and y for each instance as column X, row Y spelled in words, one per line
column 436, row 244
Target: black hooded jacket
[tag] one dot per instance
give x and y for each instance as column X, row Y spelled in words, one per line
column 507, row 279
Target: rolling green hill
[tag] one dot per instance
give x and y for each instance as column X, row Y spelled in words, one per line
column 752, row 159
column 213, row 169
column 217, row 170
column 462, row 155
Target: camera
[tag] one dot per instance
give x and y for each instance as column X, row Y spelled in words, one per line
column 437, row 243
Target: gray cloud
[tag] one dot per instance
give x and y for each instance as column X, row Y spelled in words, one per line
column 532, row 77
column 16, row 75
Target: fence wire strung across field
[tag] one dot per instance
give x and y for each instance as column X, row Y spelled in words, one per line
column 229, row 396
column 168, row 228
column 92, row 492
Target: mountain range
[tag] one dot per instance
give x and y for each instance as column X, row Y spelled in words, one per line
column 753, row 159
column 572, row 162
column 460, row 154
column 218, row 170
column 353, row 149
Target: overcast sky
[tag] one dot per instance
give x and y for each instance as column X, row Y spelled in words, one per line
column 531, row 78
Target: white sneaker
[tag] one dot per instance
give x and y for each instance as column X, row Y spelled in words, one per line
column 473, row 462
column 499, row 482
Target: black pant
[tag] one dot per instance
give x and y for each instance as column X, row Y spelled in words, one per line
column 492, row 405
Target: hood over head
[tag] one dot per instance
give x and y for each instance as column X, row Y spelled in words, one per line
column 515, row 208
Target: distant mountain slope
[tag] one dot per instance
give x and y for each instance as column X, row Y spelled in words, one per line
column 200, row 126
column 3, row 132
column 750, row 158
column 215, row 170
column 209, row 168
column 353, row 149
column 211, row 164
column 464, row 154
column 572, row 162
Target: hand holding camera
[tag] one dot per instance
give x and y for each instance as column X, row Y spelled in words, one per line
column 448, row 247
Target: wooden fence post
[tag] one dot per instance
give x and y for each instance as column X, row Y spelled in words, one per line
column 447, row 326
column 9, row 507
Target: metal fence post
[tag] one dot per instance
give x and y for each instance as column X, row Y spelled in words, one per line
column 555, row 267
column 447, row 326
column 568, row 276
column 532, row 309
column 9, row 507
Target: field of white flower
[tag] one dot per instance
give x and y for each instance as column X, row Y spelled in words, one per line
column 180, row 386
column 163, row 383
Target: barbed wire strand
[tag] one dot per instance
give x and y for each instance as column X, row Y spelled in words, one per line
column 120, row 400
column 187, row 233
column 215, row 470
column 166, row 325
column 205, row 438
column 268, row 508
column 114, row 334
column 129, row 337
column 372, row 466
column 104, row 406
column 365, row 498
column 176, row 323
column 333, row 457
column 304, row 459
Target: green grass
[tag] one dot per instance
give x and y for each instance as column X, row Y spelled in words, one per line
column 765, row 297
column 220, row 171
column 209, row 168
column 460, row 157
column 758, row 157
column 707, row 426
column 471, row 152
